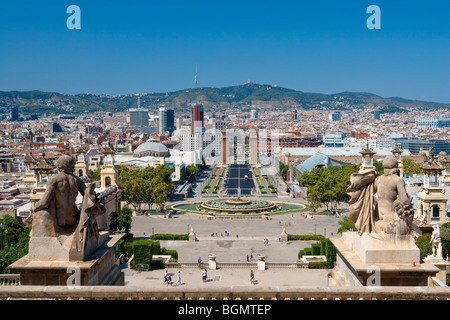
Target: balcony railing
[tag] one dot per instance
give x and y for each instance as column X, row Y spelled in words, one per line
column 224, row 293
column 9, row 279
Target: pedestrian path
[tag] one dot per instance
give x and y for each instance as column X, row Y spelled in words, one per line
column 244, row 238
column 191, row 278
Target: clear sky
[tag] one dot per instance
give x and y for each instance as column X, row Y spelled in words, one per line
column 154, row 46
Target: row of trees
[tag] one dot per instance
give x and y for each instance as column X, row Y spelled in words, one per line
column 326, row 185
column 149, row 186
column 14, row 244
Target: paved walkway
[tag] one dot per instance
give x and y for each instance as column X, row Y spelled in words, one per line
column 250, row 241
column 192, row 278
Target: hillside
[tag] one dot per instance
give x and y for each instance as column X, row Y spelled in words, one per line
column 246, row 94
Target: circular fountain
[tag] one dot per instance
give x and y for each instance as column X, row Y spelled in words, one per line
column 238, row 205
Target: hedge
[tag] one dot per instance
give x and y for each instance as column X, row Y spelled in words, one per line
column 292, row 237
column 321, row 265
column 161, row 236
column 143, row 250
column 324, row 248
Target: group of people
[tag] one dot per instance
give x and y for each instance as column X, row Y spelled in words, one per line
column 168, row 278
column 215, row 234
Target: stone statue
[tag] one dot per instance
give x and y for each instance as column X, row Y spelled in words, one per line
column 380, row 205
column 85, row 238
column 56, row 215
column 436, row 242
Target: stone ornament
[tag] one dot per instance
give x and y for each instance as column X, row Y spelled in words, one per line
column 436, row 242
column 380, row 205
column 56, row 215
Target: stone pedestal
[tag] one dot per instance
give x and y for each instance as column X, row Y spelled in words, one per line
column 364, row 261
column 261, row 263
column 100, row 269
column 284, row 236
column 212, row 262
column 192, row 236
column 440, row 263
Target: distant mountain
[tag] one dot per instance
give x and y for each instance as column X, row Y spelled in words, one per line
column 240, row 95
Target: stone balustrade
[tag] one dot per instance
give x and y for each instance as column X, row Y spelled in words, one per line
column 237, row 265
column 224, row 293
column 9, row 279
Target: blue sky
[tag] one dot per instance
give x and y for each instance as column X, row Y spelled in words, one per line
column 154, row 46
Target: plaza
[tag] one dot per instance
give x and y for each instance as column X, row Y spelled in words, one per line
column 231, row 241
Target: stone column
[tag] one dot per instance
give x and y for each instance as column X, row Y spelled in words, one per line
column 284, row 236
column 192, row 236
column 261, row 262
column 212, row 262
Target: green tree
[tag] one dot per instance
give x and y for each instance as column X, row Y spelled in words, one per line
column 346, row 224
column 191, row 171
column 424, row 245
column 310, row 178
column 411, row 167
column 445, row 239
column 133, row 192
column 121, row 220
column 95, row 174
column 283, row 170
column 15, row 244
column 327, row 184
column 378, row 167
column 160, row 201
column 124, row 219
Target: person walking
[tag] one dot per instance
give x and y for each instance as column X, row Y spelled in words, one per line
column 247, row 258
column 179, row 278
column 252, row 277
column 204, row 275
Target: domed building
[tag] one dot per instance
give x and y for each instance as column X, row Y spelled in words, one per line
column 151, row 148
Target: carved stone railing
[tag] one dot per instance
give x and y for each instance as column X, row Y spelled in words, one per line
column 238, row 265
column 436, row 282
column 9, row 279
column 224, row 293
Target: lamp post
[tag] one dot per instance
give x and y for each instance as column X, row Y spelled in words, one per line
column 3, row 233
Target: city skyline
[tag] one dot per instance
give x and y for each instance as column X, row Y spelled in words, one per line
column 145, row 47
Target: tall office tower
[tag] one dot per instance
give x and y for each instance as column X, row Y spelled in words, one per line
column 166, row 120
column 224, row 148
column 335, row 116
column 377, row 114
column 253, row 114
column 14, row 113
column 138, row 117
column 198, row 121
column 178, row 123
column 295, row 115
column 253, row 142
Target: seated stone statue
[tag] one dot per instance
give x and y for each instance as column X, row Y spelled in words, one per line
column 380, row 204
column 56, row 213
column 57, row 216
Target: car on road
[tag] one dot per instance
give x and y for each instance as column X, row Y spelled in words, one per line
column 246, row 178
